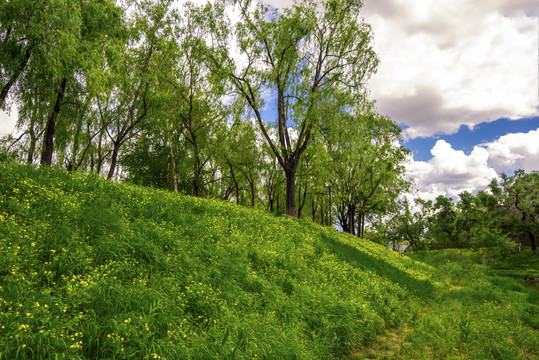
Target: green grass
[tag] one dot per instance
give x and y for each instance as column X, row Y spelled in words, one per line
column 522, row 265
column 478, row 316
column 92, row 269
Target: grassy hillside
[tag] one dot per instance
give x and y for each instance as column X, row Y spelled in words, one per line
column 96, row 269
column 92, row 269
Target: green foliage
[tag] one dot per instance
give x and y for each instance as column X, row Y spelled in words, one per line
column 479, row 316
column 502, row 220
column 516, row 264
column 96, row 269
column 315, row 57
column 367, row 172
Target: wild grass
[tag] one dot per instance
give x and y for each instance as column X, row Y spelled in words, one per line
column 477, row 316
column 93, row 269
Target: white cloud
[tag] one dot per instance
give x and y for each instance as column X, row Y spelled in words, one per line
column 451, row 171
column 448, row 63
column 515, row 151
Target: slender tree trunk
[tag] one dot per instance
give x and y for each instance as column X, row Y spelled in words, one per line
column 33, row 140
column 174, row 176
column 291, row 192
column 236, row 187
column 301, row 199
column 534, row 245
column 99, row 155
column 363, row 225
column 252, row 185
column 83, row 155
column 313, row 209
column 342, row 216
column 196, row 181
column 173, row 159
column 113, row 160
column 76, row 143
column 360, row 225
column 46, row 155
column 351, row 214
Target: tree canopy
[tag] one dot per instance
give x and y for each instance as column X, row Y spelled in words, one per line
column 271, row 110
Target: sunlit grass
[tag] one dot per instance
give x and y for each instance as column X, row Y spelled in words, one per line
column 96, row 269
column 93, row 269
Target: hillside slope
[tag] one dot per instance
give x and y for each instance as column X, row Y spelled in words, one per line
column 96, row 269
column 93, row 269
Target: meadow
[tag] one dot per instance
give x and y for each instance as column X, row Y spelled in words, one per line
column 95, row 269
column 480, row 315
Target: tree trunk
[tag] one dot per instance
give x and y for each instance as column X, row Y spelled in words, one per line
column 252, row 185
column 291, row 191
column 301, row 199
column 99, row 155
column 236, row 187
column 360, row 225
column 46, row 155
column 76, row 143
column 351, row 213
column 33, row 140
column 88, row 145
column 113, row 160
column 271, row 201
column 342, row 217
column 173, row 159
column 313, row 209
column 534, row 245
column 363, row 225
column 196, row 181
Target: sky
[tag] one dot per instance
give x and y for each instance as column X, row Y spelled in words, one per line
column 461, row 78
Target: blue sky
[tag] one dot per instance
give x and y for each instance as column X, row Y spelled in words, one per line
column 466, row 139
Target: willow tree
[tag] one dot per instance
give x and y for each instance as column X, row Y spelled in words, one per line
column 304, row 55
column 195, row 96
column 18, row 36
column 47, row 49
column 128, row 101
column 367, row 165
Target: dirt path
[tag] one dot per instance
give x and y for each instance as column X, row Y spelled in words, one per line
column 386, row 346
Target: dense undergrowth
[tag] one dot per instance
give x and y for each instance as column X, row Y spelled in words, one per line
column 93, row 269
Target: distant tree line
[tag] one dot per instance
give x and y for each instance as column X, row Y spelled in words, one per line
column 175, row 99
column 506, row 217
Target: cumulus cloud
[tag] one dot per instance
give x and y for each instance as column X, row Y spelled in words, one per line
column 451, row 171
column 515, row 151
column 450, row 63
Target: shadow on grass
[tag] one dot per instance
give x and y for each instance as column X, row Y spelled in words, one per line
column 355, row 257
